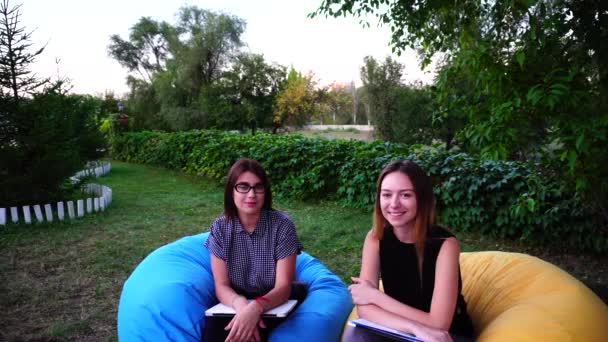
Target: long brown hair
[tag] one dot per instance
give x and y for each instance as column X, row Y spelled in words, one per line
column 425, row 202
column 238, row 168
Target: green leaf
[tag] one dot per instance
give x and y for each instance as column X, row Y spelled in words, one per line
column 534, row 94
column 572, row 157
column 531, row 205
column 580, row 140
column 520, row 56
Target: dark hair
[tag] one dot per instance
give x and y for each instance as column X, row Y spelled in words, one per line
column 238, row 168
column 425, row 201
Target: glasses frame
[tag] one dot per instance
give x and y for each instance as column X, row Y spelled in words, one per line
column 249, row 188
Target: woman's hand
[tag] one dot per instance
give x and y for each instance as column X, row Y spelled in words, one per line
column 243, row 326
column 428, row 334
column 362, row 291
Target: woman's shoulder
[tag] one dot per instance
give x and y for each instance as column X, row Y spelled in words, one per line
column 278, row 216
column 220, row 221
column 221, row 224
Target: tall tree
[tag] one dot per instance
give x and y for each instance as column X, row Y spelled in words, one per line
column 341, row 103
column 146, row 50
column 257, row 83
column 243, row 96
column 413, row 121
column 204, row 43
column 15, row 59
column 537, row 72
column 296, row 102
column 16, row 78
column 381, row 82
column 178, row 64
column 45, row 134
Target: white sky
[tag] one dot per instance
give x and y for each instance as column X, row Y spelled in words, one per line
column 77, row 33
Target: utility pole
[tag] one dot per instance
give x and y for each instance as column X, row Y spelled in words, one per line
column 353, row 91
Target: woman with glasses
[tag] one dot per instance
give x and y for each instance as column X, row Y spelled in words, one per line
column 253, row 252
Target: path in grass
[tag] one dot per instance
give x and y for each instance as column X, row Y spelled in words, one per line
column 63, row 281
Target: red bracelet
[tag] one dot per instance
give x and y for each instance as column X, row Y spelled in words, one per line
column 264, row 299
column 260, row 304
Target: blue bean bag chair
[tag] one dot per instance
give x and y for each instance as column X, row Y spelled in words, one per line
column 166, row 296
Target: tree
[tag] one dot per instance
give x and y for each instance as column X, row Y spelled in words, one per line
column 143, row 105
column 178, row 65
column 536, row 74
column 146, row 51
column 413, row 120
column 57, row 136
column 334, row 105
column 381, row 82
column 204, row 43
column 257, row 83
column 15, row 77
column 46, row 135
column 295, row 104
column 340, row 103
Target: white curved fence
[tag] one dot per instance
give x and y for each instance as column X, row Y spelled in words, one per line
column 101, row 198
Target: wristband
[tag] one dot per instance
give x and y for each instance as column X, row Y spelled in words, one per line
column 257, row 301
column 263, row 299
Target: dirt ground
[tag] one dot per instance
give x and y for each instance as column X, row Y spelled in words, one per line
column 589, row 269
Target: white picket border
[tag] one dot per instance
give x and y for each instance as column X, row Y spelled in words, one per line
column 100, row 200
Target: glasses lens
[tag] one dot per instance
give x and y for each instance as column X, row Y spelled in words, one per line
column 258, row 188
column 243, row 188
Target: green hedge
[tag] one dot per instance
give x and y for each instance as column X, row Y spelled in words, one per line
column 503, row 199
column 44, row 140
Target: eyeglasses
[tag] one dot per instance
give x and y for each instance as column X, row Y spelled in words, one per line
column 244, row 188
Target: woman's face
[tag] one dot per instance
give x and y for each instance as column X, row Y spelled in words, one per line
column 398, row 200
column 251, row 202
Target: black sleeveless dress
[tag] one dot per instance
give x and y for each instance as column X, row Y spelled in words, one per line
column 401, row 278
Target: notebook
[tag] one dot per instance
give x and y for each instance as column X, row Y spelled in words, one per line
column 384, row 331
column 280, row 311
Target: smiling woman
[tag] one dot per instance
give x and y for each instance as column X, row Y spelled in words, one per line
column 418, row 261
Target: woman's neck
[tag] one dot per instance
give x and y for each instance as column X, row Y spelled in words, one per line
column 405, row 234
column 249, row 221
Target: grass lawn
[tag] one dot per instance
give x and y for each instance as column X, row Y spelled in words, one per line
column 63, row 281
column 338, row 134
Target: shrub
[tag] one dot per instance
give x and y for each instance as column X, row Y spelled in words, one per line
column 52, row 137
column 499, row 198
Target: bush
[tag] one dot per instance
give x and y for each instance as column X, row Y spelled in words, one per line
column 506, row 199
column 52, row 136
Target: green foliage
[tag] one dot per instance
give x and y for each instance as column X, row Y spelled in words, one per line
column 177, row 70
column 295, row 103
column 335, row 105
column 402, row 112
column 16, row 79
column 381, row 82
column 57, row 135
column 506, row 199
column 45, row 135
column 531, row 76
column 243, row 97
column 413, row 122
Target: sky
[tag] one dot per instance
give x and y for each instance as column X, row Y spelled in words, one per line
column 76, row 34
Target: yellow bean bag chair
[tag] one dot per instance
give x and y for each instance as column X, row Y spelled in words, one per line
column 518, row 297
